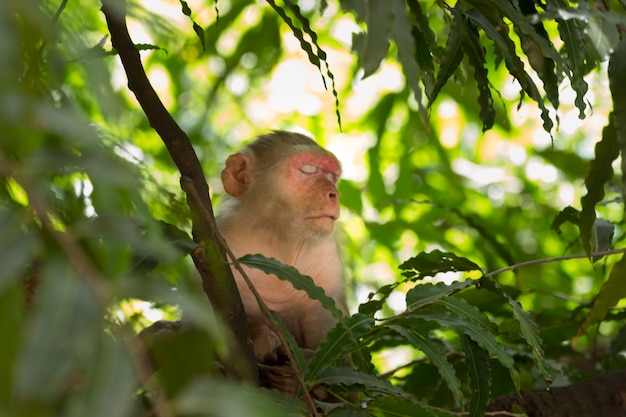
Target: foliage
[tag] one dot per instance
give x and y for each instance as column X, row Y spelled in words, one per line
column 94, row 229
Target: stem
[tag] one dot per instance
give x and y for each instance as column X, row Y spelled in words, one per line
column 555, row 259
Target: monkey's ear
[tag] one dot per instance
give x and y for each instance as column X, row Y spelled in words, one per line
column 237, row 175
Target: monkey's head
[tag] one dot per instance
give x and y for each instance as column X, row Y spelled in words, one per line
column 288, row 180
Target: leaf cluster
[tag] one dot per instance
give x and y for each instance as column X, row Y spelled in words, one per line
column 481, row 36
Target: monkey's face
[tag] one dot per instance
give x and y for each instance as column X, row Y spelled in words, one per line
column 311, row 179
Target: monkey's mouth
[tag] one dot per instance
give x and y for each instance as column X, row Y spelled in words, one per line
column 323, row 216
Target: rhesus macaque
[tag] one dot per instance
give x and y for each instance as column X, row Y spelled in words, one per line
column 283, row 204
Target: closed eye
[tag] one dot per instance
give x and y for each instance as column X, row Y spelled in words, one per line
column 331, row 177
column 308, row 169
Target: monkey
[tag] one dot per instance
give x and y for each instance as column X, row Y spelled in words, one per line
column 282, row 202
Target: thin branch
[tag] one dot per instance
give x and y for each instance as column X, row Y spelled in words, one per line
column 60, row 9
column 554, row 259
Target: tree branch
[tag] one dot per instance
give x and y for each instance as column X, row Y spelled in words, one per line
column 602, row 396
column 554, row 259
column 210, row 260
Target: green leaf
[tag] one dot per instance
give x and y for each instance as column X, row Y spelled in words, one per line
column 600, row 172
column 426, row 293
column 543, row 66
column 477, row 362
column 572, row 36
column 221, row 397
column 349, row 378
column 452, row 57
column 371, row 46
column 298, row 354
column 425, row 46
column 523, row 26
column 601, row 236
column 568, row 214
column 405, row 42
column 530, row 332
column 476, row 55
column 617, row 74
column 11, row 325
column 476, row 332
column 196, row 27
column 61, row 334
column 343, row 335
column 291, row 274
column 375, row 183
column 401, row 407
column 432, row 263
column 17, row 248
column 506, row 47
column 373, row 305
column 600, row 37
column 437, row 357
column 618, row 344
column 462, row 308
column 110, row 385
column 582, row 14
column 315, row 57
column 528, row 328
column 611, row 292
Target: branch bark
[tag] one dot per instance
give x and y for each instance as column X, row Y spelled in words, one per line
column 603, row 396
column 210, row 260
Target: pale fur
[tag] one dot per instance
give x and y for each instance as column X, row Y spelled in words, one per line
column 259, row 228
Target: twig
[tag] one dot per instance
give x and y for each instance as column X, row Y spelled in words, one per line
column 60, row 9
column 554, row 259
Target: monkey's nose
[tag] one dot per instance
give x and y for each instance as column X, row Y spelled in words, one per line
column 333, row 195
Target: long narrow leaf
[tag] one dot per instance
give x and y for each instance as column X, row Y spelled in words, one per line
column 405, row 42
column 196, row 27
column 315, row 57
column 476, row 55
column 611, row 292
column 600, row 172
column 477, row 362
column 425, row 44
column 617, row 74
column 437, row 357
column 428, row 264
column 400, row 407
column 291, row 274
column 297, row 353
column 371, row 46
column 367, row 382
column 477, row 333
column 321, row 54
column 573, row 42
column 339, row 338
column 462, row 308
column 426, row 293
column 452, row 57
column 528, row 328
column 506, row 47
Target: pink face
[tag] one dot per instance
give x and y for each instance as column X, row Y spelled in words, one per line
column 312, row 178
